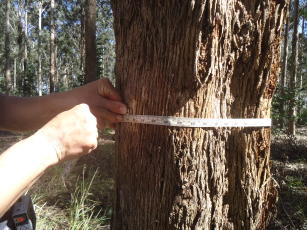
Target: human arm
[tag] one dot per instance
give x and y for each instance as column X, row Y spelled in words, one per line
column 70, row 134
column 23, row 114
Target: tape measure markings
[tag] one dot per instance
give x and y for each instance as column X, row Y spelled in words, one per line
column 197, row 122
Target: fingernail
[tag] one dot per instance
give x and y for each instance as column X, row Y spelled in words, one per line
column 119, row 118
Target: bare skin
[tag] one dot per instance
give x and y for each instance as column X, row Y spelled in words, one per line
column 23, row 114
column 67, row 126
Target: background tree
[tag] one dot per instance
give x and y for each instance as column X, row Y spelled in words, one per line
column 90, row 41
column 293, row 72
column 195, row 59
column 53, row 49
column 283, row 74
column 7, row 51
column 30, row 42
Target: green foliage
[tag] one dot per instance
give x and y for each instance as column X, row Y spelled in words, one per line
column 303, row 117
column 294, row 181
column 70, row 70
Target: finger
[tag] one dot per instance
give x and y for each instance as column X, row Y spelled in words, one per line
column 106, row 115
column 106, row 89
column 113, row 106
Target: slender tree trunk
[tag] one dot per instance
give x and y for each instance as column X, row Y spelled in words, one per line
column 25, row 50
column 90, row 41
column 82, row 37
column 52, row 76
column 283, row 74
column 39, row 45
column 20, row 39
column 15, row 75
column 301, row 63
column 209, row 59
column 7, row 49
column 293, row 72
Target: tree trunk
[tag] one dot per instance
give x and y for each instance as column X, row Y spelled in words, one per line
column 26, row 83
column 20, row 40
column 90, row 41
column 82, row 38
column 7, row 49
column 39, row 45
column 15, row 75
column 293, row 72
column 283, row 74
column 52, row 76
column 209, row 59
column 301, row 73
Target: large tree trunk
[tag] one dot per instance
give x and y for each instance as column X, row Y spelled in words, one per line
column 283, row 74
column 53, row 55
column 209, row 59
column 7, row 49
column 293, row 72
column 90, row 41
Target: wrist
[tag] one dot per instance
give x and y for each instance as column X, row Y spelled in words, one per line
column 46, row 148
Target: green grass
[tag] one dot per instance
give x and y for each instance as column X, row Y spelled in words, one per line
column 70, row 203
column 294, row 181
column 83, row 213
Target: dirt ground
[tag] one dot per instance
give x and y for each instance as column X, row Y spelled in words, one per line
column 54, row 192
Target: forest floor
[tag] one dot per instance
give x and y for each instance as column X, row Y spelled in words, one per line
column 78, row 195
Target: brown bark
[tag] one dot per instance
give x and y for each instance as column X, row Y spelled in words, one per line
column 53, row 55
column 209, row 59
column 293, row 72
column 90, row 41
column 7, row 50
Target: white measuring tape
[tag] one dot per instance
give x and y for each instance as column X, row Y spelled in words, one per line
column 197, row 122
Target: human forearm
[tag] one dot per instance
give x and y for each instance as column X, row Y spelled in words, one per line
column 21, row 165
column 23, row 114
column 69, row 135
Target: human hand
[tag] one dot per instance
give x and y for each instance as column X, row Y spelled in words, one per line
column 104, row 101
column 71, row 133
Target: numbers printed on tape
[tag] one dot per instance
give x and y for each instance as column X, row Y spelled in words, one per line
column 197, row 122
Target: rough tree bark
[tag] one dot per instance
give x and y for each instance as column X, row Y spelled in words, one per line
column 283, row 73
column 202, row 58
column 7, row 49
column 90, row 41
column 53, row 54
column 292, row 108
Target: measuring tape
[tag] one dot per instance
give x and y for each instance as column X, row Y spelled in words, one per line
column 197, row 122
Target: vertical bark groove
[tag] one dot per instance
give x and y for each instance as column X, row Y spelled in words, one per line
column 209, row 59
